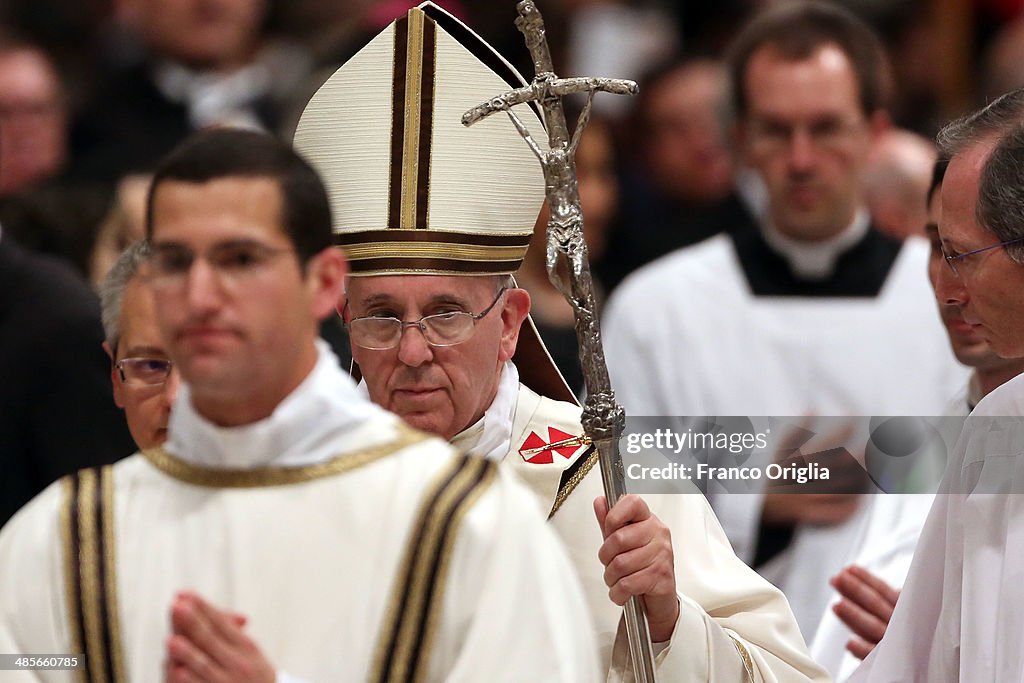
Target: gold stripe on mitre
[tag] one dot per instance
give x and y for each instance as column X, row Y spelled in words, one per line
column 411, row 120
column 393, row 251
column 356, row 252
column 410, row 147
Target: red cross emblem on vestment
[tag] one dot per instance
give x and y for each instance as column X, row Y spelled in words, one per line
column 537, row 451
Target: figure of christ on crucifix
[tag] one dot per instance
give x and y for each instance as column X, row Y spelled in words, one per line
column 603, row 419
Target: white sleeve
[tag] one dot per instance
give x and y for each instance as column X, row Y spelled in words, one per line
column 732, row 623
column 927, row 616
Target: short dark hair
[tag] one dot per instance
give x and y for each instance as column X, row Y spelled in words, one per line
column 938, row 174
column 797, row 30
column 656, row 77
column 222, row 153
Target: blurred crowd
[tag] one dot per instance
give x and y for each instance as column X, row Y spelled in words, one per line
column 93, row 93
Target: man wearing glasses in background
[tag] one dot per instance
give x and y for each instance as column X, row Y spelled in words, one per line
column 854, row 625
column 144, row 379
column 807, row 310
column 960, row 616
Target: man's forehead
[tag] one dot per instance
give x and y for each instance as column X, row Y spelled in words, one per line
column 971, row 159
column 26, row 70
column 202, row 221
column 959, row 194
column 138, row 294
column 824, row 80
column 238, row 196
column 138, row 320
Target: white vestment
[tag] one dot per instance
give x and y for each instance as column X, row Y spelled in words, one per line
column 308, row 534
column 685, row 336
column 960, row 616
column 730, row 618
column 885, row 548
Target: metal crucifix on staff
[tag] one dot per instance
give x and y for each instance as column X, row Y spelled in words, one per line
column 603, row 418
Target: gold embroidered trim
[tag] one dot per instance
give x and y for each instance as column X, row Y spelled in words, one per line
column 402, row 571
column 398, row 270
column 278, row 476
column 574, row 481
column 748, row 664
column 430, row 627
column 418, row 585
column 110, row 574
column 397, row 249
column 89, row 570
column 87, row 532
column 411, row 141
column 350, row 234
column 70, row 571
column 401, row 38
column 452, row 492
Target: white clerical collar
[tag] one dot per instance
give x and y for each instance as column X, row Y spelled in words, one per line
column 214, row 98
column 302, row 430
column 491, row 436
column 816, row 260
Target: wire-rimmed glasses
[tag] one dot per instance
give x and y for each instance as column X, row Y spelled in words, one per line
column 378, row 333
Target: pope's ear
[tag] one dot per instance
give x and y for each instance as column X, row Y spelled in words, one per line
column 341, row 308
column 341, row 305
column 513, row 313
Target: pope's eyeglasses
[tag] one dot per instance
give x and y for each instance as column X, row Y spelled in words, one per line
column 378, row 333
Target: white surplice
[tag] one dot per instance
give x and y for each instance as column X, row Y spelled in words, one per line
column 886, row 549
column 960, row 616
column 311, row 562
column 685, row 336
